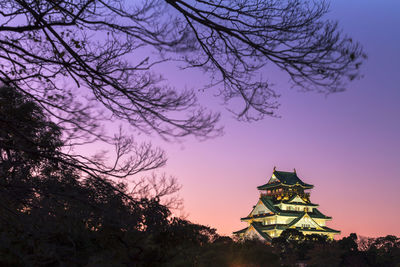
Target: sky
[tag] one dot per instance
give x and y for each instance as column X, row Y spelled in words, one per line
column 346, row 144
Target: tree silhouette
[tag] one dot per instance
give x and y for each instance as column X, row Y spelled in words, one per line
column 29, row 140
column 52, row 212
column 96, row 44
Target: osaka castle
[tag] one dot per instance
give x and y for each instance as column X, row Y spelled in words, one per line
column 284, row 203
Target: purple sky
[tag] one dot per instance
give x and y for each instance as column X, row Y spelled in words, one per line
column 346, row 144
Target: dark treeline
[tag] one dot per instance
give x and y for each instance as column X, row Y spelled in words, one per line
column 53, row 214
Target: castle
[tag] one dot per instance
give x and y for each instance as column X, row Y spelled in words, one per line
column 284, row 203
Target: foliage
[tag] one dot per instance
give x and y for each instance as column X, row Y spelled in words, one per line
column 314, row 250
column 50, row 212
column 225, row 252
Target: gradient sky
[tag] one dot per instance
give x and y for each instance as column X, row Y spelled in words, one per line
column 346, row 144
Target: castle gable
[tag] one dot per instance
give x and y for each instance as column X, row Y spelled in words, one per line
column 260, row 208
column 296, row 199
column 304, row 222
column 273, row 179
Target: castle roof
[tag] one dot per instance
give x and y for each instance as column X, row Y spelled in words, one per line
column 241, row 231
column 268, row 202
column 284, row 227
column 284, row 178
column 315, row 214
column 258, row 227
column 292, row 202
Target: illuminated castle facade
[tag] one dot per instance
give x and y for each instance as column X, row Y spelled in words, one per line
column 284, row 203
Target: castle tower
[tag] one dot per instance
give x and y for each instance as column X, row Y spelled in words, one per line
column 284, row 203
